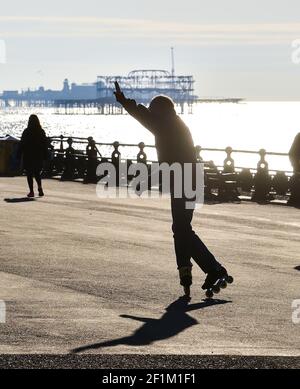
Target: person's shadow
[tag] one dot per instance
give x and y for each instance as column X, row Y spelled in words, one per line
column 172, row 322
column 19, row 200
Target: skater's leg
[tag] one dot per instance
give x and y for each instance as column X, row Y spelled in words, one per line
column 187, row 243
column 181, row 231
column 202, row 256
column 182, row 249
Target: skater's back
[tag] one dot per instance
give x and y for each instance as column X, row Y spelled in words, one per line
column 173, row 139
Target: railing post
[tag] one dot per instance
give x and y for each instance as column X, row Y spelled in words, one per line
column 116, row 155
column 229, row 162
column 92, row 162
column 142, row 156
column 262, row 181
column 61, row 147
column 228, row 180
column 116, row 158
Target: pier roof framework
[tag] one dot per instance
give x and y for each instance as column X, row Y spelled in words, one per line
column 143, row 85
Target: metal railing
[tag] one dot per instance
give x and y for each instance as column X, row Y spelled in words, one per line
column 226, row 182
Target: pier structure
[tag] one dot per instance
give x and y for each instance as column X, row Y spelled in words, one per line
column 143, row 85
column 42, row 97
column 77, row 159
column 21, row 100
column 140, row 85
column 98, row 98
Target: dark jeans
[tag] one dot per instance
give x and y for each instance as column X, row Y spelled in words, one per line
column 34, row 173
column 187, row 244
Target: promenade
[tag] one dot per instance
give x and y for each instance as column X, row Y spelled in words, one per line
column 90, row 275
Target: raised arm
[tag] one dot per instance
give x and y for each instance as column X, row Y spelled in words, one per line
column 138, row 111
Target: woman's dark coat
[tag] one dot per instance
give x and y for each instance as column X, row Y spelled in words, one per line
column 33, row 147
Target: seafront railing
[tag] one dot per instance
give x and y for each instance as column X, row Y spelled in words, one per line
column 77, row 158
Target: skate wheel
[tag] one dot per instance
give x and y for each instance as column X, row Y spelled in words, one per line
column 209, row 293
column 223, row 284
column 229, row 280
column 216, row 289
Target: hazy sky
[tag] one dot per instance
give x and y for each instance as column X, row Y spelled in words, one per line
column 240, row 48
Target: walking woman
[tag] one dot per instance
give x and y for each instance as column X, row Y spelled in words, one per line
column 33, row 147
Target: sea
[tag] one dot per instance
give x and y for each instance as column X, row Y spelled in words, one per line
column 247, row 126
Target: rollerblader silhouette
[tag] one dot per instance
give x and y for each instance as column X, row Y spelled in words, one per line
column 174, row 144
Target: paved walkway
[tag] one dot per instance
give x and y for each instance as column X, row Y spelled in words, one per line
column 99, row 276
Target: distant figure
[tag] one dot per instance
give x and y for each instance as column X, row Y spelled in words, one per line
column 33, row 147
column 295, row 154
column 174, row 143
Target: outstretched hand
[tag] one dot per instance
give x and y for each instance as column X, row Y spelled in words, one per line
column 118, row 93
